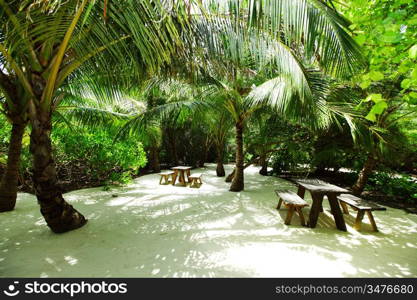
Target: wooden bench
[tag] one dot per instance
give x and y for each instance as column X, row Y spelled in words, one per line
column 362, row 207
column 166, row 176
column 195, row 180
column 293, row 202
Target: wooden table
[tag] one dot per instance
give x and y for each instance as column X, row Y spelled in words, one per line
column 318, row 189
column 181, row 170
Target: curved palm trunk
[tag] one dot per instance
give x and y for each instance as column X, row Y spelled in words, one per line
column 9, row 182
column 59, row 215
column 229, row 177
column 264, row 165
column 367, row 169
column 238, row 179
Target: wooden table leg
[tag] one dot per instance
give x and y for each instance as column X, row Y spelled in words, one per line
column 174, row 177
column 182, row 178
column 315, row 209
column 301, row 191
column 188, row 175
column 337, row 213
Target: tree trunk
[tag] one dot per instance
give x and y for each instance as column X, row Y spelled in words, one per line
column 154, row 159
column 9, row 182
column 367, row 169
column 59, row 215
column 220, row 172
column 229, row 177
column 202, row 159
column 264, row 165
column 238, row 183
column 173, row 149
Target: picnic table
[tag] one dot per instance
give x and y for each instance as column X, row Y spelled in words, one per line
column 318, row 189
column 180, row 172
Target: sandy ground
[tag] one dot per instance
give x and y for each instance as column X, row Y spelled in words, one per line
column 150, row 230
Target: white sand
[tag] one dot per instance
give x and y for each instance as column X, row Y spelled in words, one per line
column 164, row 231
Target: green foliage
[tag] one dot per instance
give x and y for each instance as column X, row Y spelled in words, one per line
column 401, row 186
column 387, row 32
column 98, row 153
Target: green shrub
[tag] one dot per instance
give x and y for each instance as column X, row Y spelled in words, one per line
column 98, row 154
column 401, row 186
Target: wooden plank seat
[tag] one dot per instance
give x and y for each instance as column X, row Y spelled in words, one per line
column 166, row 176
column 195, row 180
column 362, row 207
column 293, row 202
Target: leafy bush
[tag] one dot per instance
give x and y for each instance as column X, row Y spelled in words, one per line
column 97, row 154
column 291, row 157
column 402, row 186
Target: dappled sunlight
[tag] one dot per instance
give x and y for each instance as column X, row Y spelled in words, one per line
column 151, row 230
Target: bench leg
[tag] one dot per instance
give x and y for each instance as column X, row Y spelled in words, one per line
column 279, row 203
column 372, row 220
column 358, row 221
column 289, row 215
column 300, row 214
column 344, row 207
column 160, row 180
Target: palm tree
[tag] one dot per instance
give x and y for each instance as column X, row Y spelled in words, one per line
column 379, row 139
column 220, row 125
column 269, row 43
column 17, row 116
column 44, row 44
column 308, row 32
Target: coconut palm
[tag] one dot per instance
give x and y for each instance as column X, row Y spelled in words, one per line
column 255, row 53
column 43, row 44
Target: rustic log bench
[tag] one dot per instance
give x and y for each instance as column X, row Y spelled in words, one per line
column 165, row 176
column 293, row 202
column 362, row 207
column 195, row 180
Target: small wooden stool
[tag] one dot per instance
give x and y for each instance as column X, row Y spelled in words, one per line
column 293, row 202
column 195, row 180
column 165, row 176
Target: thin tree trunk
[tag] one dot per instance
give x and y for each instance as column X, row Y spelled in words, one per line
column 154, row 159
column 229, row 177
column 202, row 159
column 9, row 182
column 264, row 165
column 59, row 215
column 238, row 183
column 173, row 148
column 367, row 169
column 220, row 172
